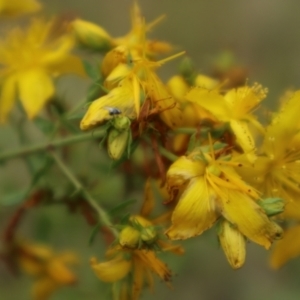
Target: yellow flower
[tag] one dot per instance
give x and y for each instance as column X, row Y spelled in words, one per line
column 209, row 188
column 139, row 93
column 287, row 248
column 121, row 97
column 192, row 114
column 29, row 59
column 135, row 39
column 49, row 269
column 95, row 37
column 143, row 232
column 131, row 264
column 235, row 108
column 18, row 7
column 130, row 271
column 277, row 170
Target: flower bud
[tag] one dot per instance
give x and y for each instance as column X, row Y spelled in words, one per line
column 117, row 143
column 272, row 206
column 121, row 123
column 147, row 231
column 129, row 237
column 91, row 35
column 233, row 244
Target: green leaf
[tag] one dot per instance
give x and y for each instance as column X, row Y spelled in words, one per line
column 192, row 142
column 125, row 219
column 121, row 207
column 94, row 232
column 14, row 198
column 44, row 125
column 19, row 196
column 91, row 70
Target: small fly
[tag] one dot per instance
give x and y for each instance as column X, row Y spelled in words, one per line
column 113, row 111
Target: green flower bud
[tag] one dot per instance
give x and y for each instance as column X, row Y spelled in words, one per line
column 272, row 206
column 117, row 143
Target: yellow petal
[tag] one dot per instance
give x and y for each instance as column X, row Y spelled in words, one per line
column 119, row 72
column 206, row 82
column 59, row 272
column 244, row 138
column 17, row 7
column 242, row 100
column 112, row 59
column 59, row 52
column 178, row 87
column 70, row 65
column 153, row 263
column 233, row 244
column 149, row 200
column 138, row 277
column 240, row 210
column 43, row 288
column 136, row 95
column 8, row 95
column 112, row 270
column 286, row 249
column 120, row 97
column 35, row 89
column 283, row 127
column 184, row 169
column 96, row 113
column 211, row 100
column 195, row 211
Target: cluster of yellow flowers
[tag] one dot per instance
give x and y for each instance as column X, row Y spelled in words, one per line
column 216, row 164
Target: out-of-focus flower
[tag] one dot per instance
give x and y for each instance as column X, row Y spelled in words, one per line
column 144, row 232
column 234, row 108
column 130, row 271
column 193, row 115
column 138, row 94
column 49, row 269
column 208, row 188
column 13, row 8
column 276, row 173
column 95, row 37
column 287, row 248
column 29, row 60
column 131, row 264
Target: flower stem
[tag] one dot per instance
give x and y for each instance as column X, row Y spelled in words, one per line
column 191, row 130
column 103, row 216
column 163, row 151
column 49, row 145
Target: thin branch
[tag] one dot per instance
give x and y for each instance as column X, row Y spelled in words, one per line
column 103, row 216
column 24, row 151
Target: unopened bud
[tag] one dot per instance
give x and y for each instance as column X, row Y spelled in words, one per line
column 117, row 142
column 233, row 244
column 272, row 206
column 129, row 237
column 92, row 35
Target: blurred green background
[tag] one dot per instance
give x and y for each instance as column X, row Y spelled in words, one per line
column 264, row 36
